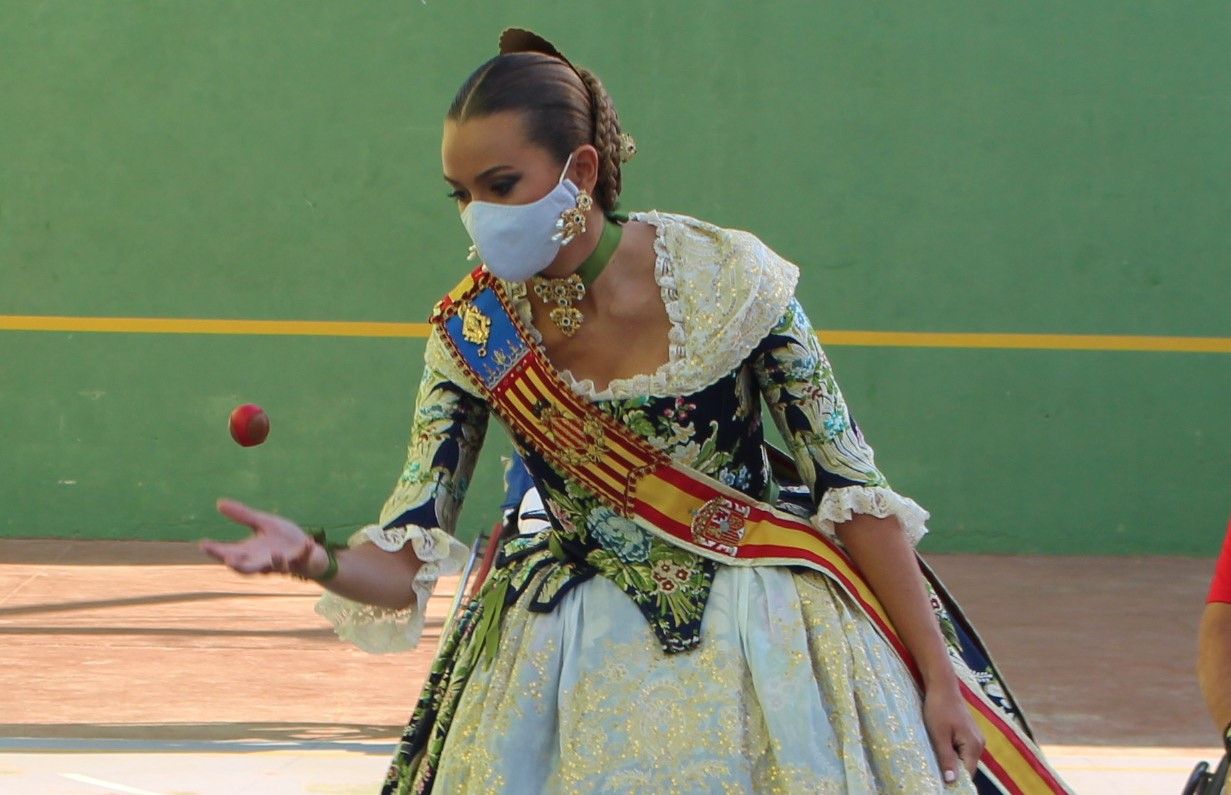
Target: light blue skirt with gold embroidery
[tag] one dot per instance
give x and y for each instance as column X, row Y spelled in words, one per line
column 791, row 691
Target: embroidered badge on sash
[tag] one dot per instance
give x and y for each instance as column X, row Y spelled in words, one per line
column 719, row 525
column 579, row 440
column 476, row 327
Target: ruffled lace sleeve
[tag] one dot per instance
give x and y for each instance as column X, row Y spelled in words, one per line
column 445, row 436
column 833, row 459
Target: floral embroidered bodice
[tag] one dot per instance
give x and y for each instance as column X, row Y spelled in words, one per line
column 716, row 431
column 738, row 335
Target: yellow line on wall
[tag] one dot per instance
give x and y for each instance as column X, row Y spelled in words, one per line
column 169, row 325
column 874, row 339
column 1039, row 342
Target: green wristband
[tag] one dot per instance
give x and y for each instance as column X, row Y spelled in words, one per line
column 331, row 566
column 331, row 557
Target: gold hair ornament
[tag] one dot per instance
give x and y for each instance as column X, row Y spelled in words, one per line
column 628, row 147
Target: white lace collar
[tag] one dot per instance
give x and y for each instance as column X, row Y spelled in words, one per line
column 723, row 291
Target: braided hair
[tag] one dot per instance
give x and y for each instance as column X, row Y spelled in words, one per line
column 606, row 140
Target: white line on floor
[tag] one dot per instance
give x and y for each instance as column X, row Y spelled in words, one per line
column 98, row 782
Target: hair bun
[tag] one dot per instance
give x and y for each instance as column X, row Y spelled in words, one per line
column 522, row 40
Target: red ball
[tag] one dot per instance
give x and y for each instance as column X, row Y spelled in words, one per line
column 249, row 424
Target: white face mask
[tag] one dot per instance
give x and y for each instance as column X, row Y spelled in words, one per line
column 516, row 240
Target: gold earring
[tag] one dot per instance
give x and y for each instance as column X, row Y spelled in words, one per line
column 572, row 222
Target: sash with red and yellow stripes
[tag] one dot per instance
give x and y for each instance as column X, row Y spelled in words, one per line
column 674, row 502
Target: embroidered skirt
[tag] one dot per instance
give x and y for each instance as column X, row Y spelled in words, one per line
column 791, row 691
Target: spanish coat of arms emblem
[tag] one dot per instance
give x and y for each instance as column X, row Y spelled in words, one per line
column 720, row 525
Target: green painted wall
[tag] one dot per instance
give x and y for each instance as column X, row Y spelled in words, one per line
column 1042, row 167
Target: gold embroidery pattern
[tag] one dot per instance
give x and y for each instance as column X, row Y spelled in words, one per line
column 579, row 440
column 631, row 719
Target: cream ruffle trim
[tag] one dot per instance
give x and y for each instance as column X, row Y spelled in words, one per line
column 380, row 630
column 839, row 505
column 723, row 291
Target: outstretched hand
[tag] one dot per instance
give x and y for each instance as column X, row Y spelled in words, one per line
column 276, row 544
column 955, row 736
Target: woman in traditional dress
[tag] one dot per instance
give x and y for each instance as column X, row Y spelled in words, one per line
column 606, row 654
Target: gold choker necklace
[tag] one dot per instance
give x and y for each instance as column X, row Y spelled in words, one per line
column 568, row 290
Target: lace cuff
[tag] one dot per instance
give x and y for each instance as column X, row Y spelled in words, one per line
column 839, row 505
column 378, row 629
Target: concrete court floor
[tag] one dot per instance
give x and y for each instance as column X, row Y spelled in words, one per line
column 139, row 667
